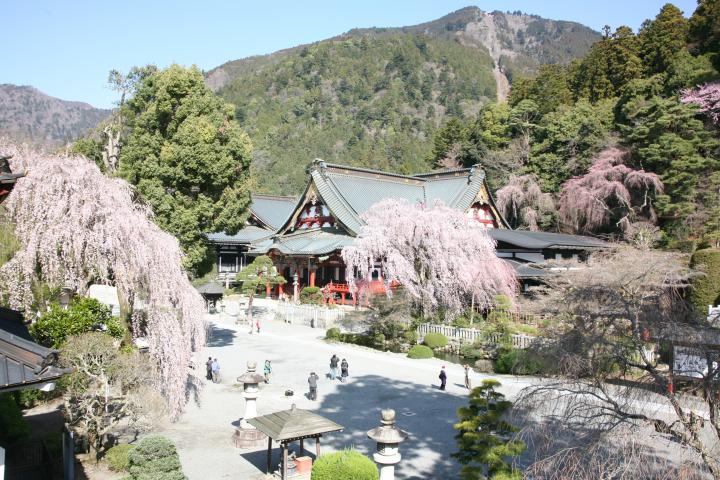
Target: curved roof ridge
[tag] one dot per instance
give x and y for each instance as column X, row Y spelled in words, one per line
column 269, row 196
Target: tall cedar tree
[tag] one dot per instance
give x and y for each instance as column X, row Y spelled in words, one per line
column 704, row 31
column 663, row 38
column 188, row 158
column 484, row 437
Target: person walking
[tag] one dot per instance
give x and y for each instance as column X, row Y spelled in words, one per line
column 215, row 371
column 467, row 376
column 443, row 378
column 312, row 383
column 334, row 360
column 344, row 370
column 267, row 370
column 208, row 367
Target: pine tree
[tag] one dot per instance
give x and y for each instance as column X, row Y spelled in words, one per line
column 662, row 38
column 484, row 439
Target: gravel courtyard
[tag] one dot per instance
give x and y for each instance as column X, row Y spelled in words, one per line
column 377, row 380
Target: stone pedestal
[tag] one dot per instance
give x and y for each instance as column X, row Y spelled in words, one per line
column 246, row 435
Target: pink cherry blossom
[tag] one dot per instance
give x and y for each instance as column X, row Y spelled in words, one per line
column 707, row 97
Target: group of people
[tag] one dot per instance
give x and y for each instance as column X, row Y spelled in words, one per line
column 335, row 362
column 443, row 377
column 213, row 370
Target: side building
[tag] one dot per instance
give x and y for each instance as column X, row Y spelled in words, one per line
column 327, row 217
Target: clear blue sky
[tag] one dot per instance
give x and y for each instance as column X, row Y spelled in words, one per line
column 66, row 48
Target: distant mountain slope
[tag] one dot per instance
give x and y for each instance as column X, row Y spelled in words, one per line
column 374, row 97
column 30, row 116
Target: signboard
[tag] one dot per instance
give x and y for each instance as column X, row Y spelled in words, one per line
column 690, row 362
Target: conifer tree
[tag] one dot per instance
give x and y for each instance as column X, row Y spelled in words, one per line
column 260, row 273
column 485, row 439
column 662, row 38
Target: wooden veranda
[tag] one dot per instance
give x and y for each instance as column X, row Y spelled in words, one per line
column 291, row 425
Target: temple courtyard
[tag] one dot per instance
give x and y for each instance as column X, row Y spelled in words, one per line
column 377, row 380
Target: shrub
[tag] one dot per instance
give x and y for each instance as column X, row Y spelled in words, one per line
column 470, row 351
column 378, row 340
column 117, row 457
column 333, row 334
column 83, row 315
column 155, row 458
column 518, row 362
column 706, row 288
column 311, row 295
column 345, row 465
column 435, row 340
column 13, row 427
column 410, row 336
column 357, row 339
column 420, row 351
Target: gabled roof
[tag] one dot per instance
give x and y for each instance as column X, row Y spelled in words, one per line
column 211, row 288
column 247, row 235
column 293, row 424
column 544, row 240
column 527, row 270
column 350, row 191
column 272, row 210
column 23, row 363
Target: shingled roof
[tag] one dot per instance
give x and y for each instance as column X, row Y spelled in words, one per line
column 23, row 363
column 545, row 240
column 293, row 424
column 268, row 211
column 306, row 242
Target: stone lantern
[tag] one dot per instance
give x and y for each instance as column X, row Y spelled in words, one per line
column 388, row 438
column 246, row 435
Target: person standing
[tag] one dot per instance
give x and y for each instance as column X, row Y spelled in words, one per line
column 334, row 360
column 267, row 370
column 344, row 370
column 312, row 383
column 215, row 371
column 208, row 367
column 467, row 376
column 443, row 378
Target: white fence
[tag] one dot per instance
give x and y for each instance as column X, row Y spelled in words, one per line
column 469, row 335
column 310, row 315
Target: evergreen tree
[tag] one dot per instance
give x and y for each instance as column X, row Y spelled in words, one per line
column 188, row 158
column 662, row 38
column 704, row 30
column 448, row 142
column 484, row 438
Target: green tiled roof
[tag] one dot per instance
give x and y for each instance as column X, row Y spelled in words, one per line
column 305, row 242
column 349, row 192
column 272, row 210
column 247, row 235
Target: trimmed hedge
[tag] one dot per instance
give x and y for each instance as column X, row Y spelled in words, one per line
column 435, row 340
column 155, row 458
column 345, row 465
column 333, row 334
column 420, row 351
column 706, row 288
column 518, row 362
column 311, row 295
column 117, row 457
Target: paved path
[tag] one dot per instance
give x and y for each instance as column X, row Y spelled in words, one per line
column 378, row 380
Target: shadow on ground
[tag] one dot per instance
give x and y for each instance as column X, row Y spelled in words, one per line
column 220, row 337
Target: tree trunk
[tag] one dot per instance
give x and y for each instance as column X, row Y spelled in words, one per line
column 250, row 312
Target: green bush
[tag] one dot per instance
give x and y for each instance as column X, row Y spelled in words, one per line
column 378, row 340
column 345, row 465
column 518, row 362
column 706, row 288
column 83, row 315
column 420, row 351
column 333, row 334
column 311, row 295
column 117, row 457
column 471, row 351
column 410, row 336
column 435, row 340
column 13, row 427
column 155, row 458
column 357, row 339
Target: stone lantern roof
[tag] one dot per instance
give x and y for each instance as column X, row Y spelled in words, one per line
column 387, row 432
column 250, row 376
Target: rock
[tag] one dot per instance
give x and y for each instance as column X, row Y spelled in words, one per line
column 484, row 366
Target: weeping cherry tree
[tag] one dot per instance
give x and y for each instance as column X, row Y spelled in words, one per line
column 77, row 227
column 523, row 203
column 707, row 97
column 440, row 257
column 610, row 194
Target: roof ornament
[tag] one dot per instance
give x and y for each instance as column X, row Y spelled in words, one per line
column 319, row 164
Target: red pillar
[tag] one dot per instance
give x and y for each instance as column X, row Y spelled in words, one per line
column 267, row 290
column 312, row 277
column 343, row 298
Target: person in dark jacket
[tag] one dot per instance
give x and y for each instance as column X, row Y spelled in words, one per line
column 334, row 360
column 312, row 383
column 344, row 370
column 443, row 378
column 208, row 366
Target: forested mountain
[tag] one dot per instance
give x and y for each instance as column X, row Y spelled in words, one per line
column 375, row 97
column 27, row 115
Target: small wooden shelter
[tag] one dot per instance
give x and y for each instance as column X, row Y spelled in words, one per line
column 288, row 426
